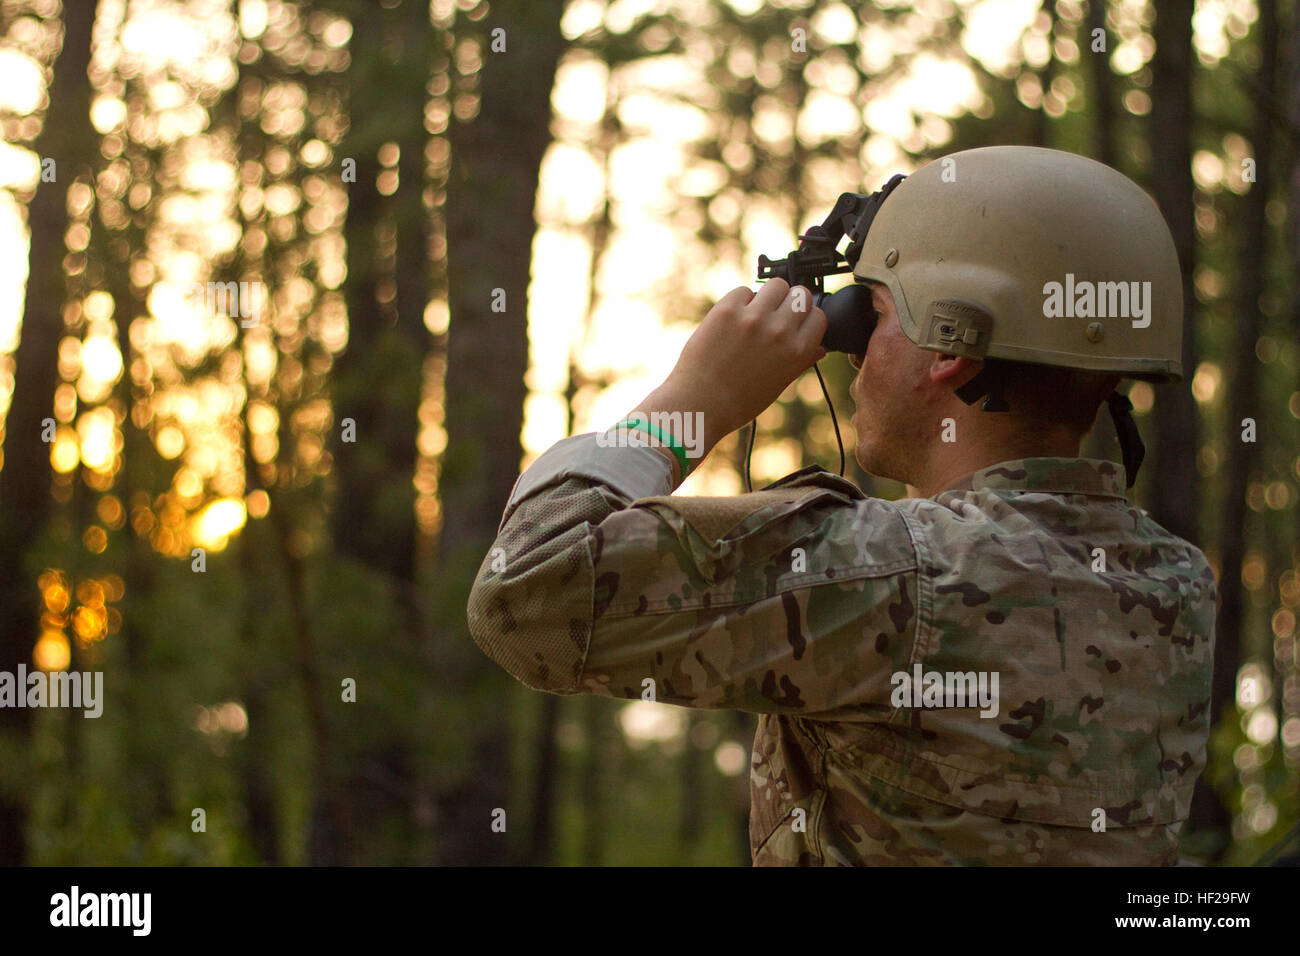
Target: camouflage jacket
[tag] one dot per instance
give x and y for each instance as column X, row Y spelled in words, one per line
column 863, row 630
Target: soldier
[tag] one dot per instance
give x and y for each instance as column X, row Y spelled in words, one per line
column 1011, row 666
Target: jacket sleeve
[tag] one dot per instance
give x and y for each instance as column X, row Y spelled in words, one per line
column 799, row 599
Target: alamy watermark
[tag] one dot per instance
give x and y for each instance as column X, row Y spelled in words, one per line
column 687, row 429
column 59, row 689
column 946, row 689
column 241, row 300
column 130, row 910
column 1098, row 300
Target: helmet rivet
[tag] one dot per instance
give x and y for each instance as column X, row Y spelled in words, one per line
column 1095, row 331
column 891, row 257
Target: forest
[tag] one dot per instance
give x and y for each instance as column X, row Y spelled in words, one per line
column 292, row 290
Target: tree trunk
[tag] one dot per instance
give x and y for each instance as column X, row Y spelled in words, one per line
column 490, row 198
column 1243, row 400
column 376, row 382
column 1042, row 121
column 256, row 760
column 135, row 487
column 1173, row 451
column 545, row 778
column 597, row 718
column 1103, row 83
column 689, row 822
column 745, row 727
column 1101, row 442
column 68, row 138
column 377, row 379
column 1291, row 113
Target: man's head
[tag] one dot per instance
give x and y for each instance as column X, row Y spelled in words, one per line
column 986, row 261
column 913, row 428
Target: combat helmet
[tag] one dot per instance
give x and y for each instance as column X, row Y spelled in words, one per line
column 1031, row 255
column 1025, row 254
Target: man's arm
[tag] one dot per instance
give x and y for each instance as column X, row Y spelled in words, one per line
column 799, row 599
column 796, row 599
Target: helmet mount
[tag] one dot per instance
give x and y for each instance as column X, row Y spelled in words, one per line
column 850, row 317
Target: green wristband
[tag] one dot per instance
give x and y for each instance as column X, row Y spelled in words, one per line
column 664, row 437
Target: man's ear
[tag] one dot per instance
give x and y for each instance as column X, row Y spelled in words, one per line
column 953, row 371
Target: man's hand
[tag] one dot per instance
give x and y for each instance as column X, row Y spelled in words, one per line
column 746, row 351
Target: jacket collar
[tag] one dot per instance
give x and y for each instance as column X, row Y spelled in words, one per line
column 1067, row 476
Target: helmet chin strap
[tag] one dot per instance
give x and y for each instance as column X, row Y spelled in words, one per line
column 1130, row 441
column 989, row 382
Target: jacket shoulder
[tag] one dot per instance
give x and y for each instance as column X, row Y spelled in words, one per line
column 810, row 519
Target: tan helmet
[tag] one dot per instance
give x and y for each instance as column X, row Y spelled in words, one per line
column 1031, row 255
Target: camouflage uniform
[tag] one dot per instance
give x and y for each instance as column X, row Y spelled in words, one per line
column 801, row 602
